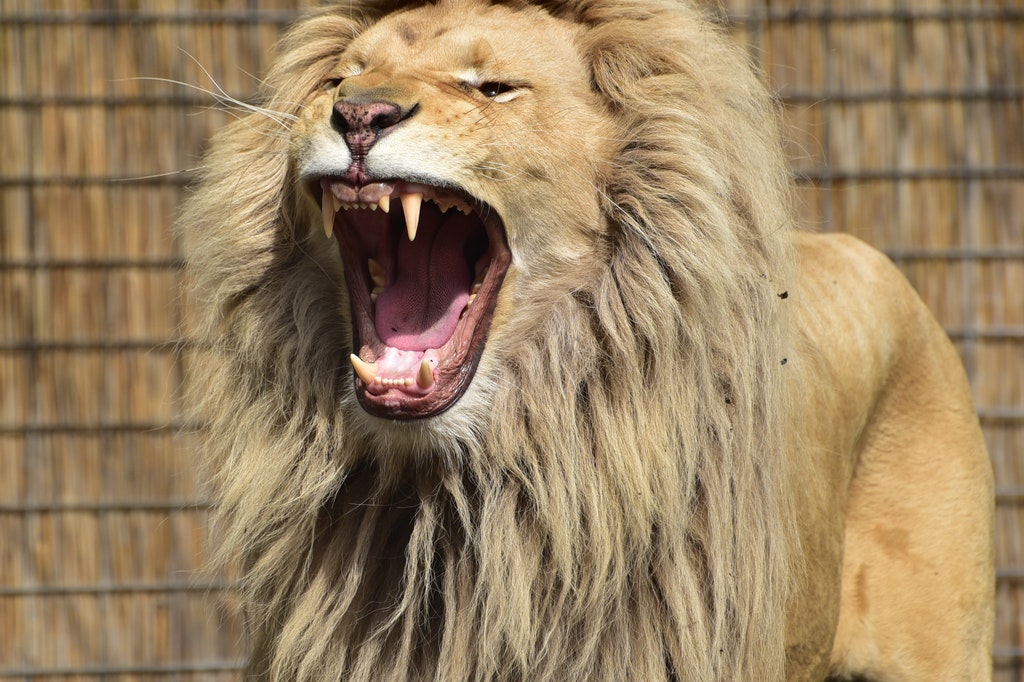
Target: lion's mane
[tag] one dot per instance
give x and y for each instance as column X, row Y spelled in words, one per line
column 622, row 514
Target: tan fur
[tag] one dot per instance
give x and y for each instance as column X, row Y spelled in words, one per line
column 685, row 411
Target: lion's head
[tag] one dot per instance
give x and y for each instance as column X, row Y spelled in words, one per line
column 548, row 236
column 481, row 148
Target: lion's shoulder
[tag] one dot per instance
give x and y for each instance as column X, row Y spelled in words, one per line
column 871, row 334
column 841, row 275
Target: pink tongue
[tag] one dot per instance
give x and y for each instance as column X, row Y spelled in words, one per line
column 421, row 308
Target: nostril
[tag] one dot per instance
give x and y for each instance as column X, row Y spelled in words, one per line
column 365, row 117
column 361, row 123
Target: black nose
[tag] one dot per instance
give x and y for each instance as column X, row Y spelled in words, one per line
column 362, row 123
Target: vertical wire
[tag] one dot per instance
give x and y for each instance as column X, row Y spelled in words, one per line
column 32, row 445
column 104, row 518
column 969, row 194
column 900, row 26
column 826, row 188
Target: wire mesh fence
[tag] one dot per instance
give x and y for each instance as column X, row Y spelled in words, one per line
column 904, row 123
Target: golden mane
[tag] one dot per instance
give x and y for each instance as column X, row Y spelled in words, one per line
column 621, row 514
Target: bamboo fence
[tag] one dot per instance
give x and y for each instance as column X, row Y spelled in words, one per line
column 904, row 125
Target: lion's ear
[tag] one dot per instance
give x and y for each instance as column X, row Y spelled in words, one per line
column 621, row 54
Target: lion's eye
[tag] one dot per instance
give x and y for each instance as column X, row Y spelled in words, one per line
column 492, row 89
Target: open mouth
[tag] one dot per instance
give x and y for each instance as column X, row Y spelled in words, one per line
column 423, row 266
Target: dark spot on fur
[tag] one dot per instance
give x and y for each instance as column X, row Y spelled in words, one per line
column 785, row 360
column 407, row 34
column 784, row 295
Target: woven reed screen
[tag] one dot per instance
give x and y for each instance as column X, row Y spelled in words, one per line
column 905, row 121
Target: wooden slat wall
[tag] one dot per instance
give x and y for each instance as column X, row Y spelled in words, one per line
column 904, row 124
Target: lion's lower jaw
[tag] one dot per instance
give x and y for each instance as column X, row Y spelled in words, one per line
column 421, row 441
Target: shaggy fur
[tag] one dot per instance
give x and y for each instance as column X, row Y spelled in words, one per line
column 608, row 501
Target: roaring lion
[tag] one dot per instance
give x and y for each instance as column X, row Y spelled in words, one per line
column 517, row 370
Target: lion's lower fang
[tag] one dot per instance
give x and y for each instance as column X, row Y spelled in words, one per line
column 366, row 371
column 425, row 377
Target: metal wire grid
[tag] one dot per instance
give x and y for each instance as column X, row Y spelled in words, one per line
column 29, row 350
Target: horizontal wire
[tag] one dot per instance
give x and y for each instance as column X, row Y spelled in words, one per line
column 827, row 15
column 95, row 346
column 966, row 173
column 987, row 333
column 114, row 507
column 93, row 264
column 137, row 19
column 96, row 428
column 1010, row 493
column 114, row 588
column 168, row 178
column 980, row 96
column 128, row 669
column 1001, row 415
column 112, row 101
column 956, row 253
column 1007, row 656
column 282, row 17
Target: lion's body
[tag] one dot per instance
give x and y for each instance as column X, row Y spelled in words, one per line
column 897, row 490
column 698, row 444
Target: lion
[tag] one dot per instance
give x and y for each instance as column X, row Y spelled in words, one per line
column 516, row 368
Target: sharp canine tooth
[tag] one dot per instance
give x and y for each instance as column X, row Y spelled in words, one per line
column 366, row 370
column 326, row 208
column 411, row 206
column 385, row 203
column 425, row 377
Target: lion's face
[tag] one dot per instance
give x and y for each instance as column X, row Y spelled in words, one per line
column 453, row 152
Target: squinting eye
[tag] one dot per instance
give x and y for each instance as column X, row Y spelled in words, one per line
column 330, row 84
column 492, row 89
